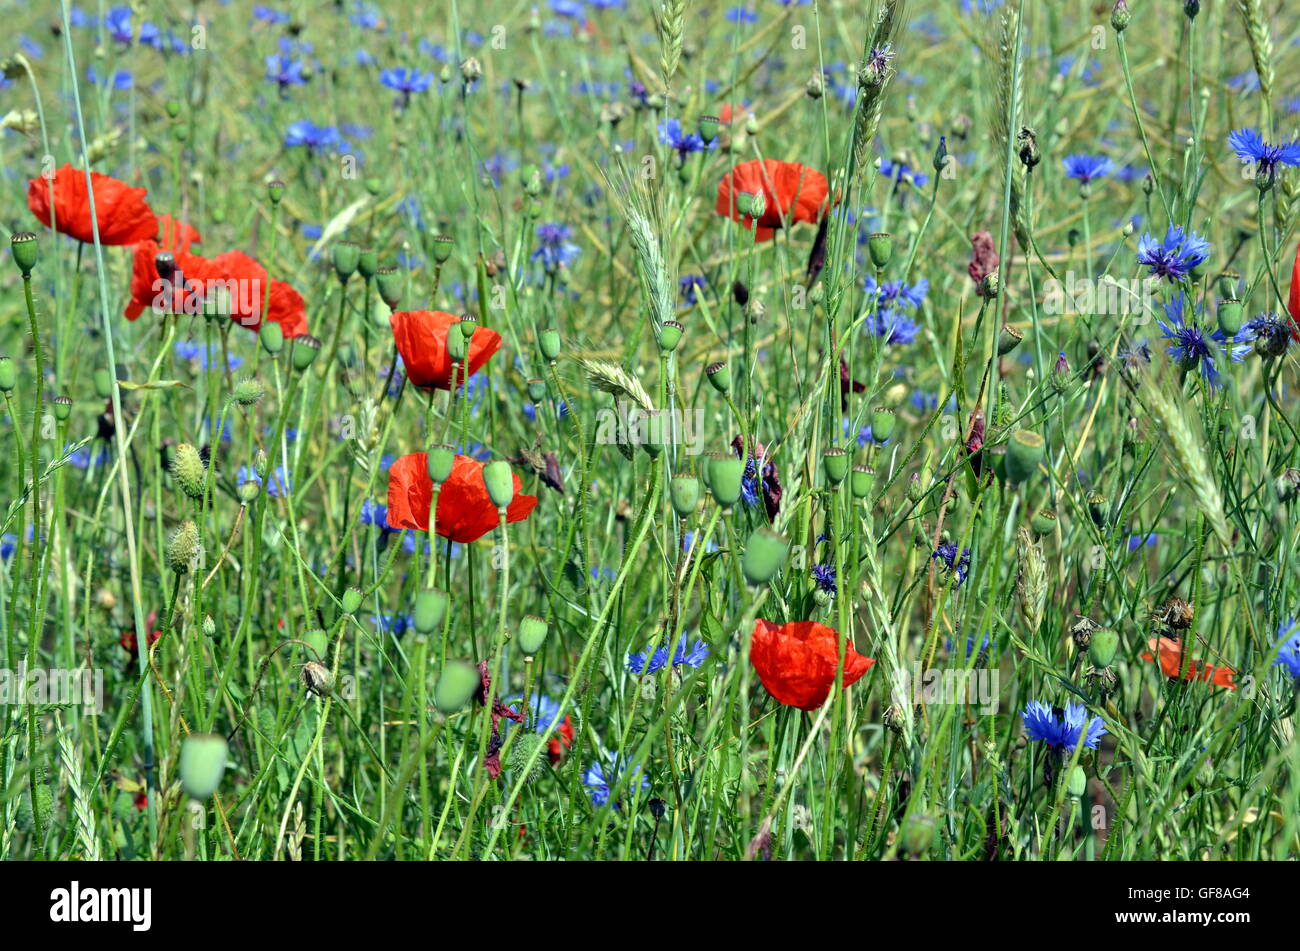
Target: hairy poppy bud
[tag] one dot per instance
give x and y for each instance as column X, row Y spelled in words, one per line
column 183, row 550
column 271, row 337
column 318, row 678
column 24, row 246
column 719, row 377
column 532, row 634
column 1101, row 649
column 836, row 463
column 883, row 423
column 248, row 392
column 765, row 553
column 459, row 682
column 548, row 342
column 500, row 483
column 62, row 407
column 439, row 461
column 8, row 375
column 203, row 760
column 880, row 247
column 1077, row 784
column 457, row 347
column 346, row 256
column 248, row 491
column 685, row 493
column 430, row 610
column 351, row 600
column 723, row 473
column 861, row 481
column 305, row 350
column 188, row 470
column 1025, row 451
column 389, row 281
column 670, row 334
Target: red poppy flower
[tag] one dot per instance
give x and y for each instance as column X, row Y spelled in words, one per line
column 797, row 661
column 128, row 641
column 1293, row 305
column 793, row 192
column 465, row 513
column 141, row 800
column 727, row 112
column 121, row 213
column 421, row 338
column 1171, row 664
column 174, row 237
column 560, row 740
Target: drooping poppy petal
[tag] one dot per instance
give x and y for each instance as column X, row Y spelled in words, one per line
column 421, row 338
column 465, row 512
column 1171, row 664
column 121, row 213
column 792, row 192
column 797, row 661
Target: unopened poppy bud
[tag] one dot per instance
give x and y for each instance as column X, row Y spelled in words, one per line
column 248, row 392
column 1230, row 314
column 536, row 390
column 1120, row 16
column 183, row 550
column 8, row 375
column 471, row 70
column 346, row 256
column 765, row 553
column 430, row 610
column 25, row 248
column 1287, row 485
column 883, row 423
column 548, row 342
column 500, row 483
column 719, row 377
column 305, row 350
column 172, row 108
column 318, row 678
column 457, row 348
column 670, row 335
column 248, row 491
column 442, row 246
column 389, row 281
column 1101, row 650
column 271, row 337
column 1077, row 784
column 685, row 493
column 368, row 263
column 532, row 634
column 62, row 407
column 459, row 682
column 1025, row 452
column 861, row 481
column 918, row 834
column 1043, row 522
column 188, row 470
column 103, row 381
column 203, row 761
column 351, row 600
column 1008, row 339
column 880, row 248
column 723, row 474
column 439, row 462
column 836, row 463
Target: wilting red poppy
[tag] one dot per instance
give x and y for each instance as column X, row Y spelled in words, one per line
column 122, row 214
column 1171, row 664
column 421, row 338
column 465, row 513
column 793, row 192
column 1294, row 304
column 797, row 661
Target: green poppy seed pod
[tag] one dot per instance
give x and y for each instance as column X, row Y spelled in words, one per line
column 203, row 760
column 707, row 128
column 1101, row 651
column 1077, row 784
column 457, row 348
column 723, row 473
column 1043, row 523
column 1226, row 284
column 670, row 335
column 103, row 381
column 248, row 491
column 439, row 462
column 188, row 470
column 1097, row 509
column 25, row 248
column 468, row 323
column 62, row 407
column 765, row 553
column 1230, row 312
column 389, row 281
column 173, row 108
column 347, row 255
column 305, row 350
column 861, row 481
column 275, row 191
column 883, row 423
column 1008, row 339
column 458, row 683
column 8, row 375
column 652, row 442
column 685, row 493
column 1025, row 452
column 536, row 390
column 430, row 610
column 272, row 337
column 351, row 600
column 548, row 342
column 183, row 550
column 248, row 392
column 532, row 634
column 719, row 377
column 443, row 245
column 368, row 263
column 918, row 834
column 500, row 483
column 317, row 642
column 880, row 247
column 317, row 678
column 836, row 463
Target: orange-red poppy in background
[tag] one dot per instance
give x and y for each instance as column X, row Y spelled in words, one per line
column 421, row 338
column 465, row 512
column 560, row 740
column 797, row 661
column 793, row 193
column 122, row 214
column 1171, row 664
column 1294, row 304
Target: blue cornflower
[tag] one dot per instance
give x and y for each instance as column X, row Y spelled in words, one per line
column 1142, row 541
column 684, row 143
column 892, row 299
column 406, row 81
column 117, row 22
column 606, row 782
column 8, row 544
column 1063, row 733
column 741, row 15
column 1250, row 146
column 554, row 249
column 1087, row 168
column 689, row 284
column 313, row 137
column 1175, row 256
column 567, row 8
column 270, row 15
column 692, row 657
column 286, row 70
column 1191, row 347
column 903, row 173
column 395, row 624
column 824, row 576
column 280, row 482
column 947, row 555
column 1288, row 654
